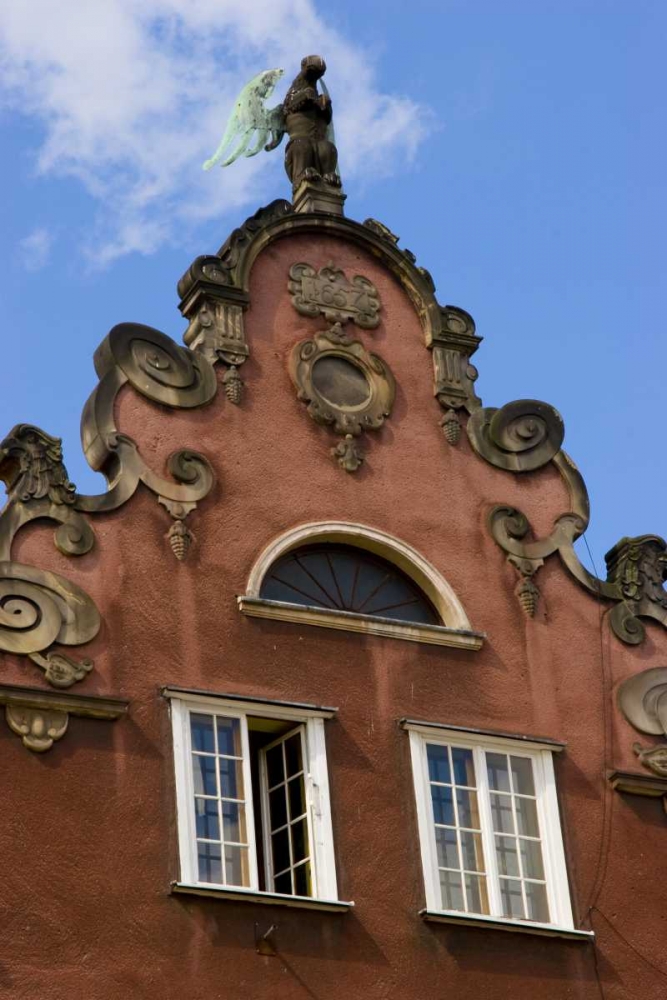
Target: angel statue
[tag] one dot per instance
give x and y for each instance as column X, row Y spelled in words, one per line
column 305, row 115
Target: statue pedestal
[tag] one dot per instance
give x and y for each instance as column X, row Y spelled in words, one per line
column 315, row 196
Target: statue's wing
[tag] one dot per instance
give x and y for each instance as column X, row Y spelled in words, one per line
column 251, row 120
column 331, row 135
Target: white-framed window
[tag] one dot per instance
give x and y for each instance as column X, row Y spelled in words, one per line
column 252, row 796
column 489, row 827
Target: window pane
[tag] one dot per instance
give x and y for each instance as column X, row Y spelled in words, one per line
column 522, row 775
column 293, row 754
column 447, row 848
column 443, row 806
column 507, row 855
column 501, row 812
column 274, row 765
column 526, row 814
column 236, row 864
column 478, row 901
column 278, row 808
column 280, row 848
column 231, row 778
column 531, row 858
column 467, row 806
column 299, row 840
column 203, row 773
column 496, row 766
column 471, row 848
column 210, row 863
column 438, row 763
column 283, row 883
column 538, row 907
column 233, row 822
column 348, row 578
column 302, row 880
column 201, row 727
column 452, row 893
column 229, row 737
column 297, row 797
column 206, row 818
column 464, row 769
column 510, row 892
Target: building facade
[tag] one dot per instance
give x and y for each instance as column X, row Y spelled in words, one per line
column 317, row 699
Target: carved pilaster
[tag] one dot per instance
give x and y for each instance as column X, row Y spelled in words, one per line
column 454, row 375
column 216, row 330
column 214, row 310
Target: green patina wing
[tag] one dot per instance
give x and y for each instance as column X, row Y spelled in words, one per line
column 251, row 126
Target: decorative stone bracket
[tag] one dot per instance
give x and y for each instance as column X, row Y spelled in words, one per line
column 41, row 718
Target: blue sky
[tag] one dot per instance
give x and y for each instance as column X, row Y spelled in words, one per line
column 518, row 148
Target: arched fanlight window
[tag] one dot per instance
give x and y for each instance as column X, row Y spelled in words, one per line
column 347, row 578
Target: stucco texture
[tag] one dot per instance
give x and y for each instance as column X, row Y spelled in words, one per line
column 88, row 840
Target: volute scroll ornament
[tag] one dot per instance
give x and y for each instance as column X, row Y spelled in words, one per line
column 525, row 436
column 41, row 610
column 643, row 701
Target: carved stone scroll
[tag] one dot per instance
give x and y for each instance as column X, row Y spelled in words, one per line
column 345, row 387
column 40, row 610
column 329, row 293
column 643, row 701
column 524, row 436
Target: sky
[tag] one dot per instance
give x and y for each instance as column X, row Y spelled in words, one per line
column 517, row 146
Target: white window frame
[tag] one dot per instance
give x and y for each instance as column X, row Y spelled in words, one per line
column 323, row 872
column 541, row 754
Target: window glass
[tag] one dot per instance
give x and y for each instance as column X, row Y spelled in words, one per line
column 245, row 784
column 486, row 840
column 287, row 819
column 345, row 578
column 219, row 803
column 457, row 830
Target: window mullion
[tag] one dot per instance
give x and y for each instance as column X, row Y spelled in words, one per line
column 553, row 854
column 266, row 820
column 323, row 861
column 249, row 811
column 189, row 859
column 310, row 790
column 488, row 838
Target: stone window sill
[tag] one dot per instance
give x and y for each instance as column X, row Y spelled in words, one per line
column 503, row 924
column 255, row 896
column 301, row 614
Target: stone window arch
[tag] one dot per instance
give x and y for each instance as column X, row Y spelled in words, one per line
column 307, row 575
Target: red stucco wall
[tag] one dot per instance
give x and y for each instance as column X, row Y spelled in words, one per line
column 88, row 841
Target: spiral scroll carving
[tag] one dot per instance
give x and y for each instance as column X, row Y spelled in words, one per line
column 157, row 367
column 520, row 437
column 38, row 608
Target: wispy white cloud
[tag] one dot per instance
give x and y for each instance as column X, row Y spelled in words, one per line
column 35, row 249
column 133, row 96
